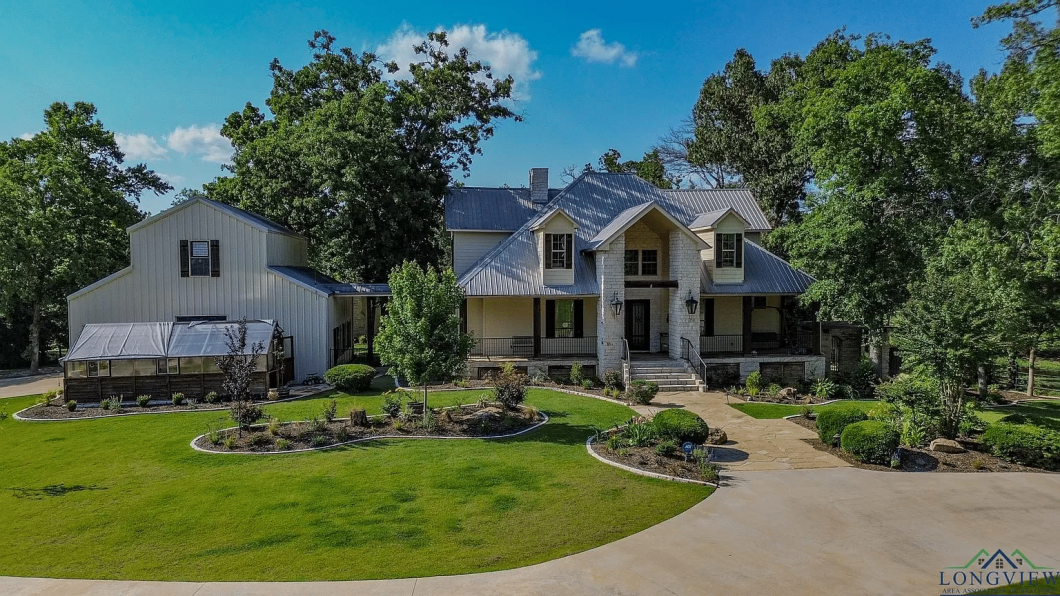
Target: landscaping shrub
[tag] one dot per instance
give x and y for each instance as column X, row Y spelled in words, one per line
column 666, row 448
column 773, row 390
column 212, row 397
column 282, row 444
column 576, row 374
column 143, row 400
column 350, row 377
column 681, row 426
column 319, row 441
column 870, row 441
column 48, row 396
column 274, row 425
column 342, row 434
column 612, row 378
column 1024, row 443
column 317, row 425
column 246, row 415
column 392, row 403
column 260, row 441
column 330, row 410
column 825, row 389
column 832, row 421
column 916, row 391
column 640, row 434
column 753, row 384
column 587, row 383
column 863, row 381
column 178, row 399
column 230, row 442
column 642, row 392
column 970, row 421
column 916, row 427
column 71, row 405
column 509, row 387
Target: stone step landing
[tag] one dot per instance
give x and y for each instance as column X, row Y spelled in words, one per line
column 669, row 375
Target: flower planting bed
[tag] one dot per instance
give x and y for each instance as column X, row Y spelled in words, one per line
column 86, row 411
column 468, row 421
column 646, row 459
column 921, row 459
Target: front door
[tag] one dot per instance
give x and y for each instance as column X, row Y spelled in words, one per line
column 637, row 325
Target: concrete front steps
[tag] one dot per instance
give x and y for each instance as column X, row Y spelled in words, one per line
column 668, row 374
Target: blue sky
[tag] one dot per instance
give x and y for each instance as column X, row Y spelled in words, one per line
column 591, row 77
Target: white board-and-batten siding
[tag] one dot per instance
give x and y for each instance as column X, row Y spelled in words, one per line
column 151, row 289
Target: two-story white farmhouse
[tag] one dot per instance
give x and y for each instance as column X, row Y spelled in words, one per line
column 207, row 261
column 612, row 269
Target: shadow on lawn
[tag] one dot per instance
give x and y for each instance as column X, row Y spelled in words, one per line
column 52, row 490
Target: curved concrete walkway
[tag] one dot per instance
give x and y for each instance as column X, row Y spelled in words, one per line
column 754, row 445
column 20, row 386
column 825, row 531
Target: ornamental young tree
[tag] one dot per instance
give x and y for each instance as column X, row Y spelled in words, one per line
column 65, row 202
column 357, row 157
column 238, row 367
column 420, row 335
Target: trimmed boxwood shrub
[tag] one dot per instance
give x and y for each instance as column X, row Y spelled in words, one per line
column 1024, row 443
column 870, row 441
column 681, row 426
column 832, row 421
column 642, row 392
column 350, row 377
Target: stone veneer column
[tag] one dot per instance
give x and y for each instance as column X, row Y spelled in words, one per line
column 685, row 268
column 610, row 330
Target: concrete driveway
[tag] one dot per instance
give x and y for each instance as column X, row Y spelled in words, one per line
column 20, row 386
column 823, row 531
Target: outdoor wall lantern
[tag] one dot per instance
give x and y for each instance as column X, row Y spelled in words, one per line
column 691, row 304
column 616, row 305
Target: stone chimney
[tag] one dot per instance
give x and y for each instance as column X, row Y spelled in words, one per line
column 539, row 185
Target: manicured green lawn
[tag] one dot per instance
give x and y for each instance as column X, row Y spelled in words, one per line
column 1048, row 411
column 763, row 410
column 128, row 498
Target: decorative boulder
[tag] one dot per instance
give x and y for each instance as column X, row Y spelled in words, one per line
column 788, row 393
column 946, row 446
column 717, row 437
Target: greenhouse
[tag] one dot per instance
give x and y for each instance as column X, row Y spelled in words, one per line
column 159, row 359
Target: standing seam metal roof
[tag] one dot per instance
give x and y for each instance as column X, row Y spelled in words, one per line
column 594, row 201
column 764, row 273
column 495, row 209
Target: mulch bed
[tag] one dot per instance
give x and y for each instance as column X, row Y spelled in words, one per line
column 466, row 421
column 920, row 459
column 645, row 458
column 546, row 384
column 57, row 412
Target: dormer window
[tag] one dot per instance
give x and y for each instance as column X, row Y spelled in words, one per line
column 730, row 251
column 558, row 251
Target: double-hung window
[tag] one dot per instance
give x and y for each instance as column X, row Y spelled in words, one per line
column 642, row 262
column 558, row 251
column 200, row 258
column 729, row 251
column 632, row 262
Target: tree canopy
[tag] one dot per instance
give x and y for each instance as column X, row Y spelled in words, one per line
column 65, row 201
column 358, row 154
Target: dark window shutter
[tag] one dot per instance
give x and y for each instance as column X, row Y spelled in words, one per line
column 717, row 251
column 739, row 250
column 579, row 318
column 185, row 265
column 568, row 244
column 548, row 251
column 215, row 258
column 550, row 318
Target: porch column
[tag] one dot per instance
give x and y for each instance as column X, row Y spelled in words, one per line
column 610, row 330
column 685, row 268
column 371, row 329
column 748, row 307
column 537, row 327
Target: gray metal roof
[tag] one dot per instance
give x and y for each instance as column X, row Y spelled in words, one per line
column 620, row 221
column 494, row 209
column 595, row 200
column 764, row 273
column 707, row 220
column 329, row 285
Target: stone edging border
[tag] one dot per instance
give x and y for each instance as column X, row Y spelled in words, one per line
column 279, row 401
column 361, row 440
column 589, row 448
column 557, row 389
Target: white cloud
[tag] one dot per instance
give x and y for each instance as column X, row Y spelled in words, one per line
column 592, row 47
column 172, row 179
column 139, row 146
column 507, row 53
column 205, row 141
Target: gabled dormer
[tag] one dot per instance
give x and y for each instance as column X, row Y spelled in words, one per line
column 554, row 235
column 724, row 230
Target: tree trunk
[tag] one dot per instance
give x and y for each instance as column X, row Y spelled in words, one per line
column 983, row 392
column 1030, row 372
column 1013, row 370
column 34, row 339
